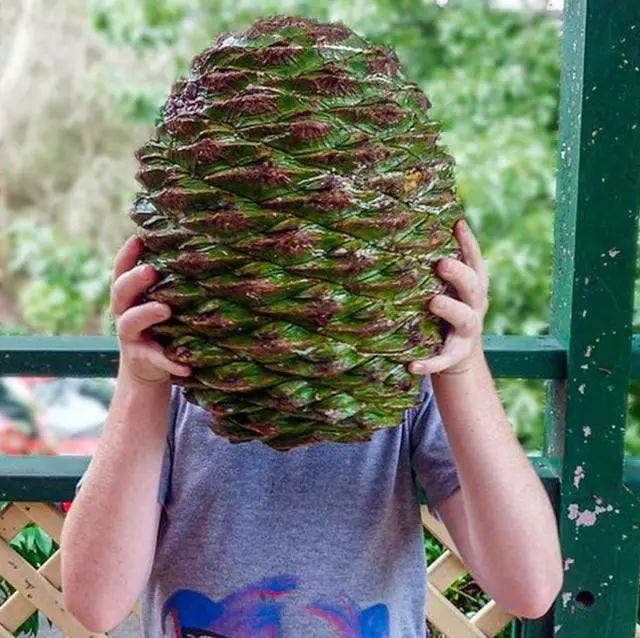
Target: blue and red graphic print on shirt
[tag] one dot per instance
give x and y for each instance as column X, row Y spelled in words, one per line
column 348, row 621
column 255, row 611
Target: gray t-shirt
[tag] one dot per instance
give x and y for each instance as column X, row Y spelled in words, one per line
column 317, row 542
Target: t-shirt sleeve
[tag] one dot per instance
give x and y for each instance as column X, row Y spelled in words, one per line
column 431, row 457
column 164, row 488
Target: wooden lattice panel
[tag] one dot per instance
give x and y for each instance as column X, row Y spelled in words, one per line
column 36, row 589
column 441, row 574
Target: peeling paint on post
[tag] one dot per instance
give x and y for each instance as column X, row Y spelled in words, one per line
column 578, row 475
column 594, row 269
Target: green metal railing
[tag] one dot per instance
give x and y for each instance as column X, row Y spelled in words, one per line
column 588, row 358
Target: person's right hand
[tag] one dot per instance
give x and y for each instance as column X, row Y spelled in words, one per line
column 142, row 358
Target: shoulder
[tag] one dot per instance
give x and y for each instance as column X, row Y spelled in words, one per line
column 177, row 402
column 426, row 388
column 421, row 404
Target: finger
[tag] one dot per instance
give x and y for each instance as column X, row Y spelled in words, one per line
column 127, row 257
column 457, row 313
column 150, row 353
column 451, row 355
column 465, row 280
column 471, row 251
column 129, row 286
column 160, row 360
column 138, row 318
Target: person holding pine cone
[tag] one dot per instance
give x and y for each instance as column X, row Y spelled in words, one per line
column 300, row 318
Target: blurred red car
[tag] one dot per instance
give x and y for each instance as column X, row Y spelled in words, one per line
column 50, row 415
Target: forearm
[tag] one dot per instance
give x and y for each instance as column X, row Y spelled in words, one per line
column 109, row 535
column 511, row 524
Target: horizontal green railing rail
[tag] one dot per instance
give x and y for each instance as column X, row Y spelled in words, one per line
column 509, row 356
column 539, row 357
column 54, row 478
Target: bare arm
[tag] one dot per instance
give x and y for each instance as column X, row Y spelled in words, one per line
column 109, row 535
column 501, row 519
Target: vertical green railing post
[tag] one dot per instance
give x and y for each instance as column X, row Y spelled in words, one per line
column 591, row 315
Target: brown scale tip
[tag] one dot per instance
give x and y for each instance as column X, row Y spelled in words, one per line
column 228, row 221
column 254, row 288
column 276, row 55
column 318, row 31
column 408, row 280
column 415, row 336
column 262, row 429
column 386, row 114
column 423, row 100
column 272, row 24
column 330, row 201
column 282, row 403
column 376, row 328
column 222, row 79
column 186, row 101
column 394, row 220
column 181, row 127
column 205, row 150
column 210, row 320
column 251, row 103
column 373, row 376
column 267, row 173
column 330, row 84
column 388, row 184
column 266, row 345
column 309, row 129
column 383, row 60
column 403, row 386
column 328, row 157
column 181, row 354
column 168, row 296
column 322, row 200
column 331, row 33
column 219, row 412
column 322, row 311
column 358, row 262
column 194, row 262
column 172, row 199
column 290, row 242
column 371, row 153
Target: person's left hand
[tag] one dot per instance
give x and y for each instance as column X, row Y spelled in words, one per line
column 465, row 315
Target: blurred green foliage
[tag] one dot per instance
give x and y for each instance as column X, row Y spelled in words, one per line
column 65, row 283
